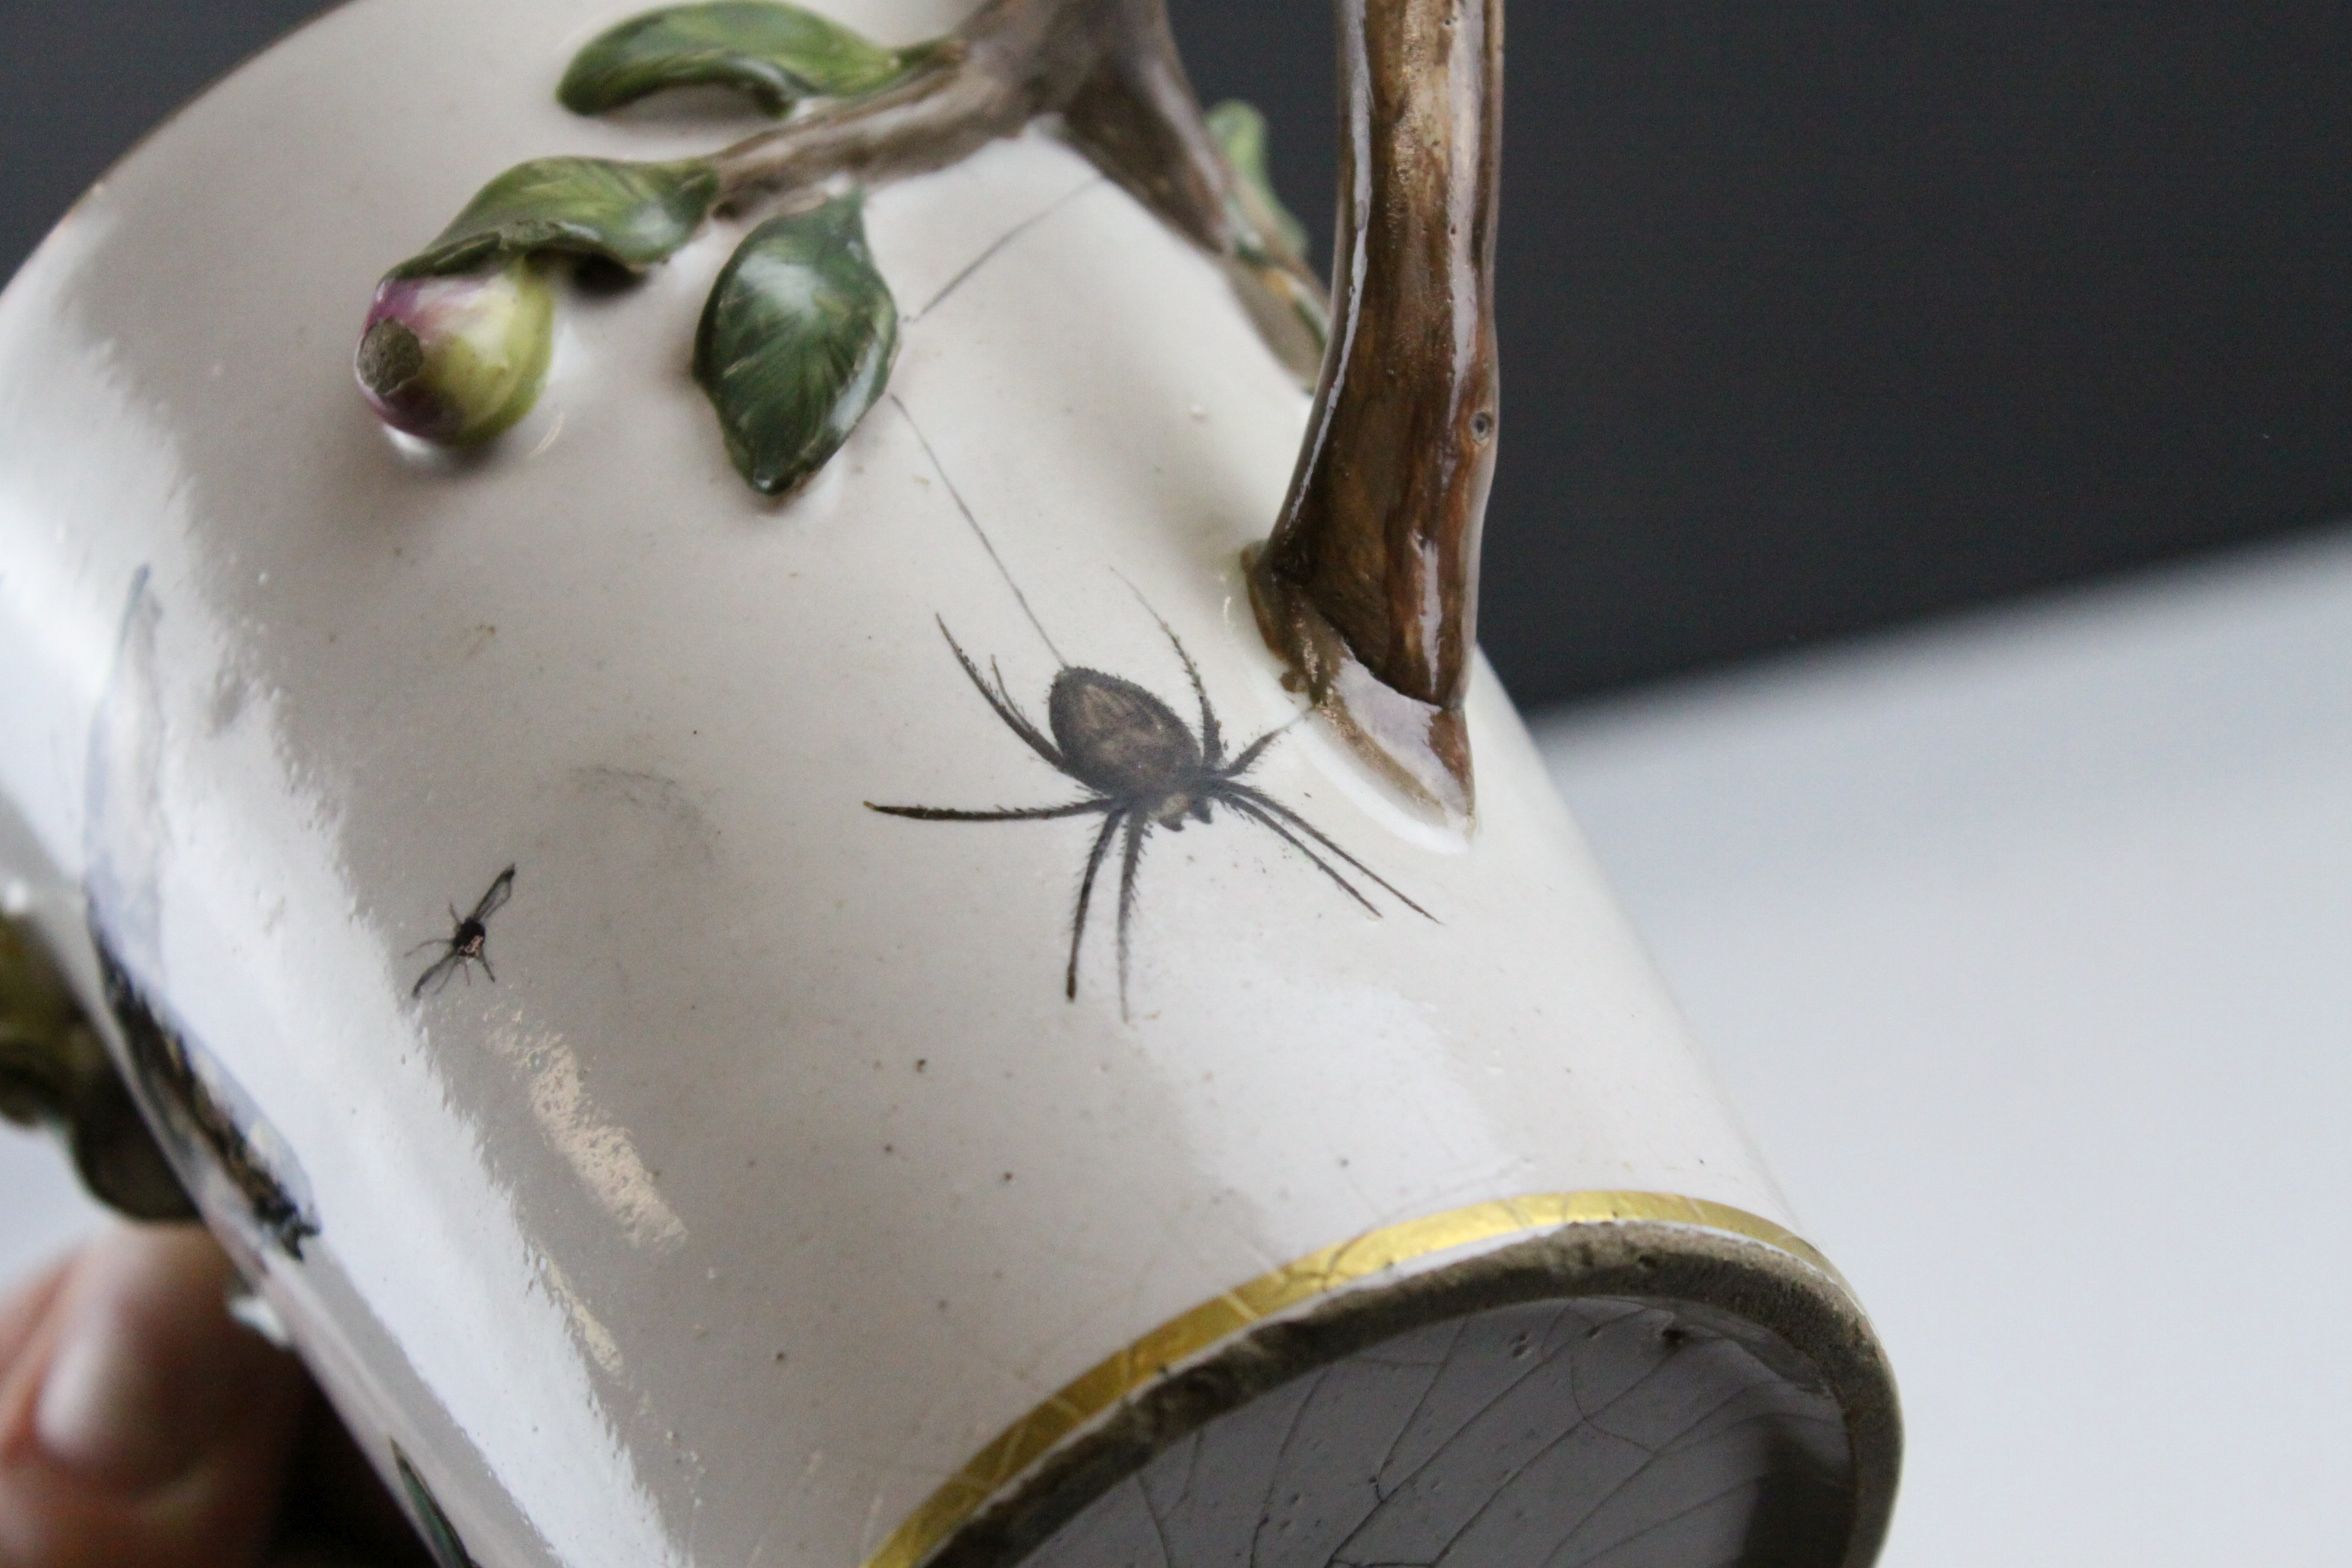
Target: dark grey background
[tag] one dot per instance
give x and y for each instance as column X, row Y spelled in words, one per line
column 1817, row 316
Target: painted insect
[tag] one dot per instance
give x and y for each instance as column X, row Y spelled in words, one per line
column 1145, row 769
column 468, row 942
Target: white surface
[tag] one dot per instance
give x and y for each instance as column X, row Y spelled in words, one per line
column 41, row 1210
column 2024, row 945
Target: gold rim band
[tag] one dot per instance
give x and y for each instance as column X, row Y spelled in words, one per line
column 1100, row 1388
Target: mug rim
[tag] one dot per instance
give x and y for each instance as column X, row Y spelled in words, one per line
column 1713, row 1262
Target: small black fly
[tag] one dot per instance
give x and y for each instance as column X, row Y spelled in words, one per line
column 1145, row 769
column 468, row 942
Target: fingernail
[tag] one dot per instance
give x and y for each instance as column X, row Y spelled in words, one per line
column 129, row 1402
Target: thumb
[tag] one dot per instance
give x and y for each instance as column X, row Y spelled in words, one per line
column 140, row 1426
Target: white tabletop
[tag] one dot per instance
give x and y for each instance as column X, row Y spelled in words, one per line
column 2026, row 946
column 41, row 1210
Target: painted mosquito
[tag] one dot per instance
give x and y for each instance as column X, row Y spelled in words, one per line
column 468, row 942
column 1144, row 769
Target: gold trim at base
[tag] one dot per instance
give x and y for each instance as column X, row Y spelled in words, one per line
column 1390, row 1251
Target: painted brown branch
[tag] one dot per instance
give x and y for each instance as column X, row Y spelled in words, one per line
column 1136, row 115
column 1369, row 584
column 1005, row 67
column 1109, row 69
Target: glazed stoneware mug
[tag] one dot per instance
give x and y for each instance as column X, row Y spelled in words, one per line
column 828, row 881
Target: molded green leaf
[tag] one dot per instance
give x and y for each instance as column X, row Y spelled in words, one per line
column 779, row 54
column 1241, row 130
column 633, row 214
column 796, row 342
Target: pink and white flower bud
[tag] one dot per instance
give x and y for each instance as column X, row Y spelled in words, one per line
column 456, row 360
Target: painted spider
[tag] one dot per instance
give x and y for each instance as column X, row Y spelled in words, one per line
column 1146, row 770
column 468, row 942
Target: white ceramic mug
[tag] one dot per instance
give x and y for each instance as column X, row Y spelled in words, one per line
column 769, row 1184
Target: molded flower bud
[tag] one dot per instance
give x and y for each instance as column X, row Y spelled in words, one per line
column 455, row 360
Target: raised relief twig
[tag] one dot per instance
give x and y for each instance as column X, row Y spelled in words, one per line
column 1369, row 585
column 798, row 338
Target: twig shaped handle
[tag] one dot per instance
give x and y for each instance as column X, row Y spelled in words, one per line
column 1369, row 584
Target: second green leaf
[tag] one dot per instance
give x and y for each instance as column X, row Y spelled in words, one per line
column 796, row 343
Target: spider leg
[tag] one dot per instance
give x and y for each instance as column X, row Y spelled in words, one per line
column 1211, row 738
column 1004, row 707
column 1257, row 748
column 1094, row 860
column 1131, row 856
column 1010, row 704
column 1076, row 808
column 1262, row 819
column 1238, row 793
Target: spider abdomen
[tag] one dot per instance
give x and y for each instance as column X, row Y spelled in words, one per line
column 1119, row 738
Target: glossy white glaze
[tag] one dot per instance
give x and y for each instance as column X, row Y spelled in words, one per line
column 775, row 1174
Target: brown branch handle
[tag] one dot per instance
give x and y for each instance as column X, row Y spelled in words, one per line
column 1369, row 584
